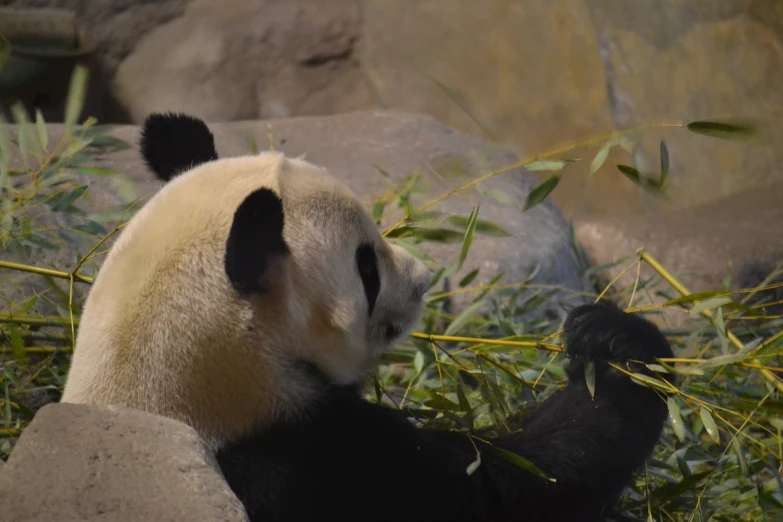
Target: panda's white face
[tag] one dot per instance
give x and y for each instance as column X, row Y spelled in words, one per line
column 360, row 293
column 233, row 273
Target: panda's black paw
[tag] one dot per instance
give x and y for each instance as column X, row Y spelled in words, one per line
column 603, row 333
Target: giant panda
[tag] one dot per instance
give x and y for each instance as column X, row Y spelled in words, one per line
column 251, row 296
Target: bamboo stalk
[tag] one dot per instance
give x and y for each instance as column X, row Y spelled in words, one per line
column 477, row 340
column 36, row 321
column 45, row 271
column 41, row 349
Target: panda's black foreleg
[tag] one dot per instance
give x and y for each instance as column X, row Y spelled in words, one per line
column 590, row 446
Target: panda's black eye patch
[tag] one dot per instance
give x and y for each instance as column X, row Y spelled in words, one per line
column 367, row 263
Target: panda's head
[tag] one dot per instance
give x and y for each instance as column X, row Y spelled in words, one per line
column 234, row 273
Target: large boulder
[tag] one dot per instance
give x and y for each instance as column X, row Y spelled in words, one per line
column 236, row 60
column 535, row 74
column 353, row 147
column 108, row 463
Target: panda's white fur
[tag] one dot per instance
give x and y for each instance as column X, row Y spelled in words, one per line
column 164, row 331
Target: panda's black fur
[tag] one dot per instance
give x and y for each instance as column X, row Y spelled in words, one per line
column 343, row 459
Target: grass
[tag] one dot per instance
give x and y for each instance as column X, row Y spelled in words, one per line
column 719, row 458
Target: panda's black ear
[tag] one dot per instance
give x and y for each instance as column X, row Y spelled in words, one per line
column 255, row 242
column 172, row 143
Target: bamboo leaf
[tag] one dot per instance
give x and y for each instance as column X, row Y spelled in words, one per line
column 723, row 130
column 470, row 230
column 737, row 447
column 674, row 414
column 413, row 250
column 710, row 304
column 539, row 194
column 418, row 362
column 43, row 135
column 589, row 368
column 465, row 281
column 664, row 163
column 473, row 466
column 462, row 319
column 521, row 462
column 542, row 165
column 77, row 93
column 482, row 227
column 709, row 425
column 17, row 345
column 600, row 157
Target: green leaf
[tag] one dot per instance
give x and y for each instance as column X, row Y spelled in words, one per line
column 438, row 402
column 540, row 165
column 6, row 150
column 677, row 423
column 498, row 195
column 600, row 157
column 436, row 234
column 412, row 249
column 126, row 189
column 468, row 239
column 482, row 227
column 17, row 345
column 43, row 135
column 538, row 194
column 710, row 304
column 722, row 130
column 709, row 425
column 77, row 92
column 521, row 462
column 383, row 173
column 92, row 228
column 28, row 305
column 94, row 171
column 737, row 447
column 589, row 367
column 418, row 362
column 465, row 281
column 28, row 139
column 462, row 319
column 633, row 174
column 721, row 360
column 377, row 211
column 464, row 404
column 669, row 490
column 63, row 201
column 664, row 163
column 777, row 423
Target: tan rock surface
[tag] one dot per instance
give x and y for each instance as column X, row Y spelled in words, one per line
column 538, row 74
column 235, row 60
column 112, row 464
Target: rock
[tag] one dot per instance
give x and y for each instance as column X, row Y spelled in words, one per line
column 235, row 60
column 534, row 75
column 698, row 245
column 352, row 146
column 115, row 26
column 89, row 463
